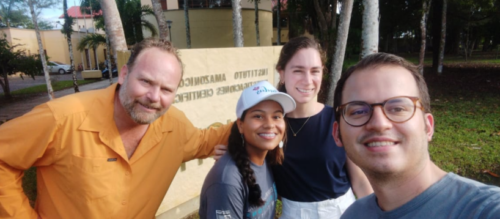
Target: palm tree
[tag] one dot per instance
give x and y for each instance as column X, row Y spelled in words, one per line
column 114, row 26
column 31, row 5
column 237, row 26
column 160, row 18
column 133, row 18
column 67, row 30
column 93, row 41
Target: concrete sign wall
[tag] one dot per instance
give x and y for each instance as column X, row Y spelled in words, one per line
column 212, row 83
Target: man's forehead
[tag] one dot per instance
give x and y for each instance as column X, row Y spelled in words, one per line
column 377, row 83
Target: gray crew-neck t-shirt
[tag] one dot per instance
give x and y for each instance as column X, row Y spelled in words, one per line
column 451, row 197
column 224, row 195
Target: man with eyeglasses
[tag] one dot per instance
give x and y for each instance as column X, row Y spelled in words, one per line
column 383, row 120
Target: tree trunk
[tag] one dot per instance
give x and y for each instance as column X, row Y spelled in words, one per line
column 237, row 26
column 340, row 47
column 369, row 32
column 257, row 34
column 95, row 58
column 5, row 84
column 114, row 26
column 278, row 25
column 443, row 37
column 41, row 51
column 423, row 33
column 70, row 46
column 188, row 30
column 323, row 26
column 110, row 67
column 160, row 19
column 437, row 9
column 7, row 19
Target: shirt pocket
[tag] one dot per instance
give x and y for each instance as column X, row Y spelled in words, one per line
column 94, row 177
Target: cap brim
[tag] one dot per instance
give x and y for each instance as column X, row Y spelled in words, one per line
column 285, row 100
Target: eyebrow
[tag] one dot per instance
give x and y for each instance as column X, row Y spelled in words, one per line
column 300, row 66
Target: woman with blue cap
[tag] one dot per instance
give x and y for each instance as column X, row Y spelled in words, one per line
column 240, row 184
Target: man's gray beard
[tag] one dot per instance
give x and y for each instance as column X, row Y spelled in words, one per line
column 128, row 105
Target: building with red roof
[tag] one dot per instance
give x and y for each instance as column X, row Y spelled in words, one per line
column 83, row 22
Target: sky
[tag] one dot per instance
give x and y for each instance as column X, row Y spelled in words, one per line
column 52, row 15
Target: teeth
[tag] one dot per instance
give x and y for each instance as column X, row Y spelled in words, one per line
column 304, row 91
column 380, row 143
column 268, row 135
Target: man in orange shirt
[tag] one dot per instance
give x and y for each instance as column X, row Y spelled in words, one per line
column 109, row 153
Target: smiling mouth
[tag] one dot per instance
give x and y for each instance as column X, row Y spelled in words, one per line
column 268, row 135
column 305, row 90
column 380, row 144
column 148, row 107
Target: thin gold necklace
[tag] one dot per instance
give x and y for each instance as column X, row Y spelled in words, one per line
column 295, row 133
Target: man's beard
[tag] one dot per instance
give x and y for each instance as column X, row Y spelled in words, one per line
column 130, row 106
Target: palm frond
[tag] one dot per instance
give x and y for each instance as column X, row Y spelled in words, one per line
column 147, row 10
column 149, row 26
column 92, row 40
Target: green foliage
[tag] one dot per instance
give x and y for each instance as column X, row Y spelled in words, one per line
column 12, row 13
column 87, row 6
column 29, row 185
column 29, row 64
column 92, row 40
column 13, row 61
column 68, row 21
column 42, row 25
column 57, row 85
column 467, row 133
column 132, row 16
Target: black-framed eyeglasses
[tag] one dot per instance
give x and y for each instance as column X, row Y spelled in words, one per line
column 397, row 109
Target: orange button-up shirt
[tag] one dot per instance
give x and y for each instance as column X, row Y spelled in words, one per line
column 82, row 167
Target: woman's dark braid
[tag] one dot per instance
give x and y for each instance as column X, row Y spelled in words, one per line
column 239, row 154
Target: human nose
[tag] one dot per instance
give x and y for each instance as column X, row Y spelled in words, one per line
column 308, row 77
column 378, row 120
column 269, row 122
column 154, row 94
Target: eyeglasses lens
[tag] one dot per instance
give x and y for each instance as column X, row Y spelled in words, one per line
column 398, row 109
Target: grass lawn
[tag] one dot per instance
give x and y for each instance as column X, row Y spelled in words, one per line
column 42, row 88
column 466, row 107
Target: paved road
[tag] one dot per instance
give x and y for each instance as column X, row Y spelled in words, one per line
column 13, row 110
column 17, row 82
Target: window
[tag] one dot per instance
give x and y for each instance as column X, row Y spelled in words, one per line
column 163, row 5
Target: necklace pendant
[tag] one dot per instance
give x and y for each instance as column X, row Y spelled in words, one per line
column 294, row 135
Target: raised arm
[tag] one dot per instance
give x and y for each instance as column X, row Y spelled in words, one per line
column 201, row 142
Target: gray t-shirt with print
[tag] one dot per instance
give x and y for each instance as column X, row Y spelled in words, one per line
column 224, row 195
column 451, row 197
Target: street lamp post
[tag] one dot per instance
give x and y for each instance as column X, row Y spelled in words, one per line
column 169, row 23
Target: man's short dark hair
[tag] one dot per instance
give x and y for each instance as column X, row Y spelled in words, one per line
column 379, row 59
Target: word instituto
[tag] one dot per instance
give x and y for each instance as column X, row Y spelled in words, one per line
column 217, row 78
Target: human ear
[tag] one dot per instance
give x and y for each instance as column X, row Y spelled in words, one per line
column 239, row 123
column 336, row 134
column 282, row 76
column 429, row 125
column 123, row 74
